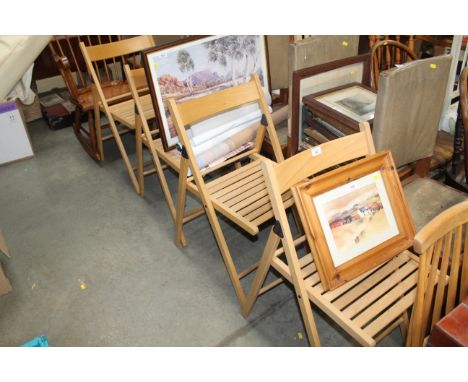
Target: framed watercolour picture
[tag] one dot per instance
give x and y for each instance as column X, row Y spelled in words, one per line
column 356, row 218
column 199, row 66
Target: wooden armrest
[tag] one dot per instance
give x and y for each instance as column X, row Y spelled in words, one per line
column 64, row 67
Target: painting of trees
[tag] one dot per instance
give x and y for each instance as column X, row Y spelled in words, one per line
column 232, row 50
column 201, row 66
column 186, row 65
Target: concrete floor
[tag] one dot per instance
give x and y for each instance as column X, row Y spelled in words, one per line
column 93, row 264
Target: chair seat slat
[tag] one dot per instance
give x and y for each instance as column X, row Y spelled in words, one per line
column 391, row 314
column 268, row 215
column 230, row 192
column 387, row 300
column 223, row 181
column 252, row 202
column 374, row 294
column 371, row 281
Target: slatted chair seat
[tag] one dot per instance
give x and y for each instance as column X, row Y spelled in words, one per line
column 242, row 196
column 124, row 112
column 367, row 307
column 110, row 90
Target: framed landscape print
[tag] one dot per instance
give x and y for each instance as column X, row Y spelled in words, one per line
column 355, row 102
column 356, row 218
column 199, row 66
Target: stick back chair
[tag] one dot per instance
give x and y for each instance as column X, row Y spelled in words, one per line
column 239, row 195
column 101, row 63
column 385, row 55
column 69, row 61
column 367, row 307
column 464, row 114
column 443, row 270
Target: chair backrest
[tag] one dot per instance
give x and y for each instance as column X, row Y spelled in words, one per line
column 463, row 80
column 316, row 50
column 137, row 83
column 289, row 53
column 69, row 59
column 408, row 109
column 385, row 55
column 310, row 162
column 104, row 61
column 443, row 270
column 198, row 109
column 408, row 40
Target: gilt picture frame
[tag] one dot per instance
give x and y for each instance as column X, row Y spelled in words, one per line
column 198, row 66
column 356, row 218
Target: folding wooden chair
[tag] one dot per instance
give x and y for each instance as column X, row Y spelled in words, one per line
column 146, row 137
column 239, row 195
column 105, row 60
column 368, row 307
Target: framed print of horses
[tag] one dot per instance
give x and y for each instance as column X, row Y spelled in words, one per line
column 198, row 66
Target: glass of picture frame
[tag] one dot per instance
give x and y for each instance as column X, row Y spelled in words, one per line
column 355, row 102
column 356, row 218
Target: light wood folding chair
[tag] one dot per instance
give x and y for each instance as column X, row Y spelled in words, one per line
column 368, row 307
column 443, row 270
column 144, row 136
column 239, row 195
column 105, row 59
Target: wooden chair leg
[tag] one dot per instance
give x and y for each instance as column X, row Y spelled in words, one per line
column 284, row 96
column 218, row 233
column 166, row 192
column 223, row 247
column 78, row 130
column 139, row 155
column 120, row 146
column 97, row 124
column 261, row 273
column 77, row 123
column 404, row 327
column 181, row 197
column 92, row 134
column 422, row 167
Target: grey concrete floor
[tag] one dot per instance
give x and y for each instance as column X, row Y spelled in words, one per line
column 93, row 264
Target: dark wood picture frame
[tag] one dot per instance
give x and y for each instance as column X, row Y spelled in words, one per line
column 333, row 276
column 302, row 74
column 146, row 53
column 327, row 113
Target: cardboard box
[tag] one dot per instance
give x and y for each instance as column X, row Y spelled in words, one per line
column 31, row 112
column 14, row 138
column 5, row 286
